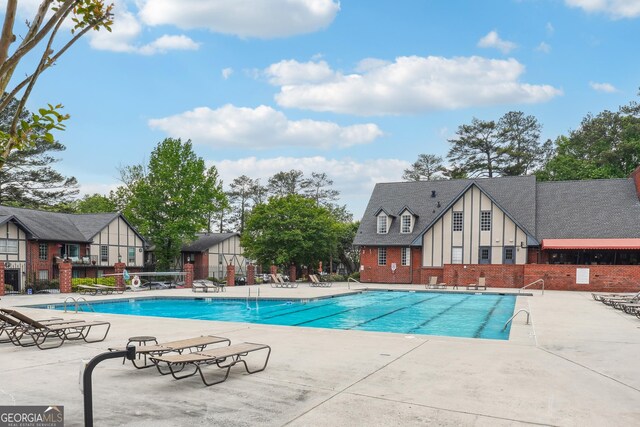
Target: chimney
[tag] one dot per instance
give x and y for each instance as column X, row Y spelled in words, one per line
column 635, row 175
column 433, row 192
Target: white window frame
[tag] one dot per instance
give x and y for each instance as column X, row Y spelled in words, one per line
column 485, row 220
column 9, row 246
column 405, row 256
column 43, row 249
column 457, row 221
column 454, row 252
column 382, row 230
column 131, row 260
column 43, row 274
column 382, row 255
column 104, row 253
column 406, row 228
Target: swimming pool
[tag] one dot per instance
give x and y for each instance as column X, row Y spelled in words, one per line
column 430, row 313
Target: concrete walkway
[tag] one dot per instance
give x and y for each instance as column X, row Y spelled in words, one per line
column 576, row 365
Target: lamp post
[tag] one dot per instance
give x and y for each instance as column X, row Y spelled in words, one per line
column 119, row 258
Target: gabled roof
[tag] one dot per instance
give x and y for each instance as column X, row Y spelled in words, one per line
column 387, row 213
column 12, row 218
column 407, row 209
column 514, row 195
column 62, row 227
column 205, row 240
column 595, row 208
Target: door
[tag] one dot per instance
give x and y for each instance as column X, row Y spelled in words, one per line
column 484, row 255
column 11, row 277
column 509, row 255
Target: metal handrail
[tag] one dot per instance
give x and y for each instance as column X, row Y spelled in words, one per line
column 76, row 304
column 533, row 283
column 517, row 312
column 349, row 280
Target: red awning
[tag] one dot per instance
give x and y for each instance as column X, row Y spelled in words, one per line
column 590, row 243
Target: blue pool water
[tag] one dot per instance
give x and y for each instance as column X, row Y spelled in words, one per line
column 448, row 314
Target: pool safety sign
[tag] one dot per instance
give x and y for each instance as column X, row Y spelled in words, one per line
column 32, row 416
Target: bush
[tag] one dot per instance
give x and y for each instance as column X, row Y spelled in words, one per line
column 355, row 276
column 335, row 278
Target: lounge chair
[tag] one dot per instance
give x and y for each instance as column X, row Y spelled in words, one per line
column 95, row 289
column 482, row 283
column 601, row 296
column 433, row 283
column 277, row 281
column 191, row 344
column 615, row 301
column 223, row 358
column 32, row 332
column 8, row 323
column 316, row 282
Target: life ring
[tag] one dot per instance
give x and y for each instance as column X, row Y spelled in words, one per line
column 135, row 281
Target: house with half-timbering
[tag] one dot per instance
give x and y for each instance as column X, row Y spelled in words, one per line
column 212, row 253
column 512, row 230
column 34, row 243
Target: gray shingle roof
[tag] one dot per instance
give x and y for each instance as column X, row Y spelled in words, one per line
column 60, row 226
column 206, row 240
column 516, row 195
column 602, row 208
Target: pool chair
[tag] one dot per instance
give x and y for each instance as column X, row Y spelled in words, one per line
column 279, row 282
column 199, row 286
column 223, row 358
column 616, row 300
column 433, row 283
column 316, row 282
column 601, row 296
column 32, row 332
column 482, row 283
column 189, row 345
column 8, row 323
column 630, row 307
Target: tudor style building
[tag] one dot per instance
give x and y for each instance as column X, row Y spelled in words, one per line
column 511, row 230
column 211, row 253
column 33, row 244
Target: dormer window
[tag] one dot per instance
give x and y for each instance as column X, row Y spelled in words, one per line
column 406, row 223
column 382, row 224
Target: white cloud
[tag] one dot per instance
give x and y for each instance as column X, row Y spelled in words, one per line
column 290, row 72
column 550, row 29
column 166, row 43
column 617, row 9
column 493, row 40
column 543, row 47
column 354, row 179
column 411, row 84
column 126, row 29
column 226, row 73
column 261, row 127
column 244, row 18
column 603, row 87
column 88, row 188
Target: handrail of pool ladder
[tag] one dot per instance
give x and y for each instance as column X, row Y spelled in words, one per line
column 517, row 312
column 349, row 280
column 533, row 283
column 76, row 302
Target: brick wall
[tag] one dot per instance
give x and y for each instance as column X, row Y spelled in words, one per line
column 497, row 275
column 383, row 273
column 614, row 278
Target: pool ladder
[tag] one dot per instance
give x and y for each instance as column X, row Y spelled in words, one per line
column 249, row 297
column 76, row 302
column 533, row 283
column 349, row 281
column 517, row 312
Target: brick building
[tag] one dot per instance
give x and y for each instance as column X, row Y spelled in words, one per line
column 34, row 243
column 211, row 253
column 578, row 235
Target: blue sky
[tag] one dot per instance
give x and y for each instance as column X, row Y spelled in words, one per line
column 356, row 89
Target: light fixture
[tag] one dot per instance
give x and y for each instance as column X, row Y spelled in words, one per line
column 119, row 258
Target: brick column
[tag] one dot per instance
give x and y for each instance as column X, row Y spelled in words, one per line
column 292, row 273
column 65, row 277
column 1, row 278
column 118, row 269
column 251, row 274
column 231, row 275
column 273, row 269
column 188, row 278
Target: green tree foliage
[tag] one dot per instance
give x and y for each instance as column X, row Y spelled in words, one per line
column 240, row 196
column 290, row 229
column 287, row 183
column 520, row 138
column 477, row 148
column 427, row 168
column 510, row 146
column 318, row 188
column 28, row 178
column 345, row 251
column 42, row 32
column 604, row 146
column 171, row 199
column 95, row 203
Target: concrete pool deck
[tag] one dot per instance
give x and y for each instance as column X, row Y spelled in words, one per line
column 575, row 365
